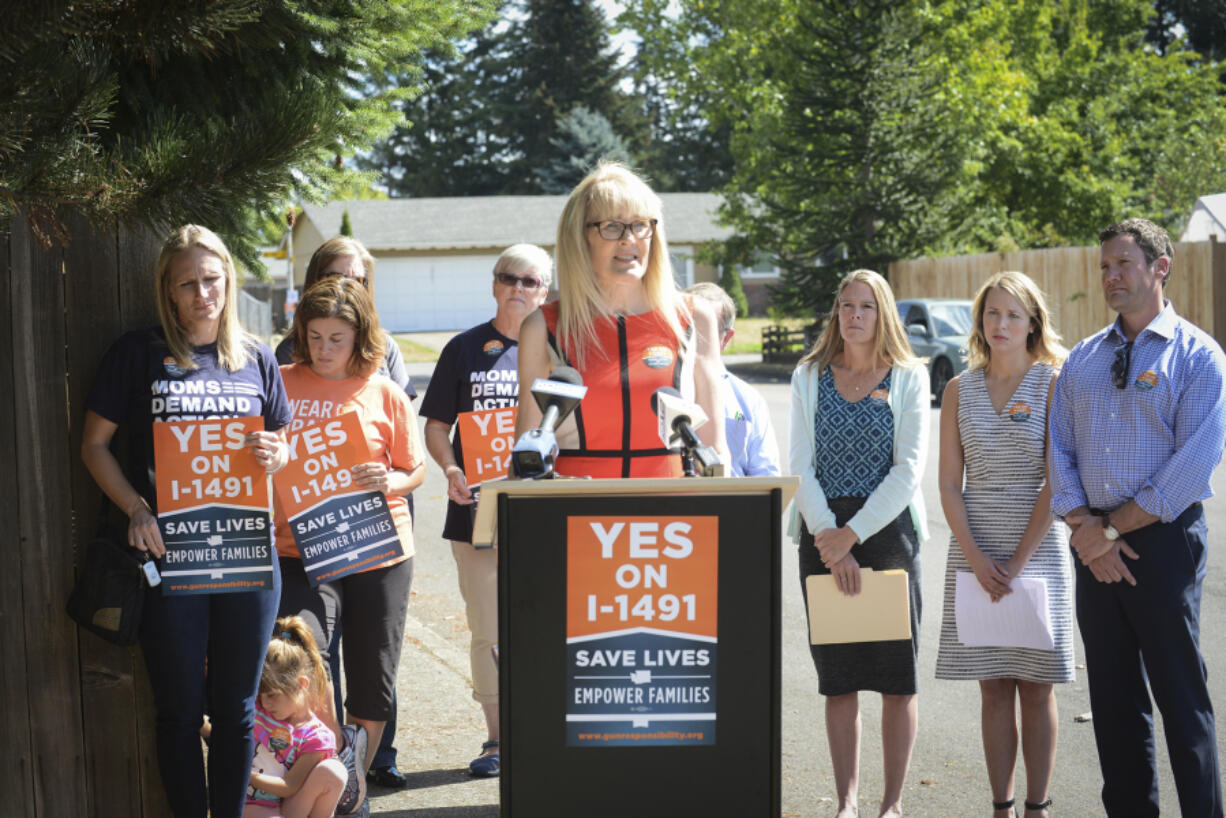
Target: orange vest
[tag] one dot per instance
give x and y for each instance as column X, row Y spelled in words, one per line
column 618, row 433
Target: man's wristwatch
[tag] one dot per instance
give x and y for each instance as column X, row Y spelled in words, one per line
column 1109, row 531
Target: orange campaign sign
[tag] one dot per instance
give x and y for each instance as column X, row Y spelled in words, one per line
column 487, row 438
column 642, row 629
column 212, row 499
column 340, row 529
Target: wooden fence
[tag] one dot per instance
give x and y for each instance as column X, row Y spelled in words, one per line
column 1070, row 278
column 76, row 710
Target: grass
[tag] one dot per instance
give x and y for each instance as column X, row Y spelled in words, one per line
column 748, row 338
column 747, row 341
column 414, row 352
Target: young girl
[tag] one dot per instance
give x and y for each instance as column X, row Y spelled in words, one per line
column 295, row 773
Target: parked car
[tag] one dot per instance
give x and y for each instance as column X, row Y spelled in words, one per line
column 937, row 329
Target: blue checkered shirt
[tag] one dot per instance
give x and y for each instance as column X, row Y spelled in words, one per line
column 1158, row 440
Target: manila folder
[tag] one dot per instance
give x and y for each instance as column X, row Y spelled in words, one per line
column 880, row 612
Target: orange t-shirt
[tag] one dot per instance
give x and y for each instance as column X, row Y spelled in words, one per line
column 388, row 421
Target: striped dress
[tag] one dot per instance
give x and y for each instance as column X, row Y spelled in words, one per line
column 1004, row 458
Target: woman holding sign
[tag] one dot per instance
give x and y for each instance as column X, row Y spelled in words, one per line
column 475, row 388
column 339, row 344
column 622, row 323
column 859, row 433
column 198, row 365
column 994, row 433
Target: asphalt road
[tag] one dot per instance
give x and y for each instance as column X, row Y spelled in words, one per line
column 441, row 728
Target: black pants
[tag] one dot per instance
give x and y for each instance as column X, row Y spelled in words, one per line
column 1151, row 631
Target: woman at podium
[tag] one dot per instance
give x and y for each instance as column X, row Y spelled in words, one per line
column 621, row 322
column 859, row 429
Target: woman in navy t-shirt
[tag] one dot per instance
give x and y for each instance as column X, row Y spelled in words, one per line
column 198, row 364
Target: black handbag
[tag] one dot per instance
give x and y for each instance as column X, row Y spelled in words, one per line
column 109, row 595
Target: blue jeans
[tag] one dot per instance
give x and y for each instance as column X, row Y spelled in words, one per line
column 178, row 634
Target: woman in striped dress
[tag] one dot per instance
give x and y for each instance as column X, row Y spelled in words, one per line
column 994, row 430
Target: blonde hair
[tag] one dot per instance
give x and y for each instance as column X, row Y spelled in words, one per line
column 610, row 189
column 233, row 343
column 891, row 338
column 348, row 300
column 526, row 257
column 293, row 653
column 1043, row 342
column 335, row 248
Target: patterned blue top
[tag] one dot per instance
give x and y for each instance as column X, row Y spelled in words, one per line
column 855, row 441
column 1158, row 440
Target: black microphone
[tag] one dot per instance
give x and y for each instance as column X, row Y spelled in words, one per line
column 678, row 418
column 534, row 453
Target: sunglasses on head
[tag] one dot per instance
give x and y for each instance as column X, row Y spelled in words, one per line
column 527, row 282
column 1119, row 367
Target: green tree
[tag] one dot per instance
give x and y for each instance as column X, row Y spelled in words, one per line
column 1202, row 22
column 872, row 130
column 559, row 56
column 452, row 142
column 584, row 138
column 167, row 111
column 730, row 281
column 346, row 226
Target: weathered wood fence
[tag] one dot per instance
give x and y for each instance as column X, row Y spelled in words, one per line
column 76, row 710
column 783, row 345
column 1070, row 278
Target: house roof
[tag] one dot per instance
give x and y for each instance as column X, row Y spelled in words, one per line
column 455, row 223
column 1214, row 208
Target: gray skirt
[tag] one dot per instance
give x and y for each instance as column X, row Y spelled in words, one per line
column 885, row 667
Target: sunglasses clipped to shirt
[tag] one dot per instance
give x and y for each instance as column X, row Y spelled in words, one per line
column 1119, row 367
column 527, row 282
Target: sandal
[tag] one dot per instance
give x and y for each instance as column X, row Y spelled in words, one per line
column 487, row 765
column 999, row 805
column 1033, row 807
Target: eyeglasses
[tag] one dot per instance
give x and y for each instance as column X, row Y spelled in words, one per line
column 1119, row 367
column 614, row 231
column 527, row 282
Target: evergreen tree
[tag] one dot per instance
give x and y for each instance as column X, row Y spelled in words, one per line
column 452, row 142
column 584, row 138
column 168, row 111
column 346, row 227
column 559, row 56
column 730, row 281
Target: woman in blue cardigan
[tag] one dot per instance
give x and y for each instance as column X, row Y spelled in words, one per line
column 859, row 436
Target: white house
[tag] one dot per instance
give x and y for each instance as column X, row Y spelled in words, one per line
column 434, row 257
column 1208, row 219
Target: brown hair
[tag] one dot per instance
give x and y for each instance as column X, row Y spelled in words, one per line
column 891, row 339
column 1043, row 342
column 1154, row 242
column 335, row 248
column 233, row 343
column 348, row 300
column 293, row 653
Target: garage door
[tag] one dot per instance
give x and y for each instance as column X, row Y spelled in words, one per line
column 434, row 292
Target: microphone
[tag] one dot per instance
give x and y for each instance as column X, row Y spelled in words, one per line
column 534, row 453
column 678, row 418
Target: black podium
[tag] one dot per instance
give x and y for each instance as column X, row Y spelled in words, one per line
column 639, row 626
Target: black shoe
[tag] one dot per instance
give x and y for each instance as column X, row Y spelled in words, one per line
column 388, row 777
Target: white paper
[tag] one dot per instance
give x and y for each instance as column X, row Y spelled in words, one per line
column 1018, row 620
